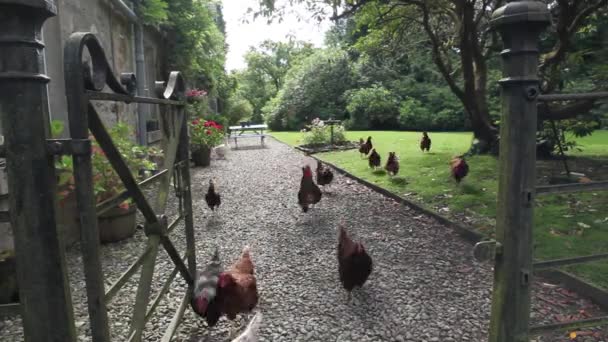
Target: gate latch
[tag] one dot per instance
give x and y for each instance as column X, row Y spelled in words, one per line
column 487, row 250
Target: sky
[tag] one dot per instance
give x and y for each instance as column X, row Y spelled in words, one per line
column 240, row 36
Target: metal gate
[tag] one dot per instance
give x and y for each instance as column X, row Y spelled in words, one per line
column 520, row 23
column 45, row 300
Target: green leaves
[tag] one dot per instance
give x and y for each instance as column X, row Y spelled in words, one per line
column 154, row 12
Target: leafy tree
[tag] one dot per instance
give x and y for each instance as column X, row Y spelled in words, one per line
column 457, row 35
column 313, row 88
column 239, row 109
column 373, row 107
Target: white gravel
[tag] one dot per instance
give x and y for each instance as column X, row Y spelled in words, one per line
column 425, row 285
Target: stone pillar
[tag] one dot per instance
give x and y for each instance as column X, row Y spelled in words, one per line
column 44, row 292
column 520, row 24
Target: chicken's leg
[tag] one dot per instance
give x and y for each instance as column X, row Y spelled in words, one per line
column 348, row 296
column 234, row 329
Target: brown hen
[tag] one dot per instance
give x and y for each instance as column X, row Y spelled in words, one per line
column 236, row 291
column 354, row 264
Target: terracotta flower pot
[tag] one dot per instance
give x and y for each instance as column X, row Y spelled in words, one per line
column 201, row 155
column 117, row 224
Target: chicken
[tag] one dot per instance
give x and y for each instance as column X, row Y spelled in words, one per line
column 212, row 198
column 309, row 193
column 324, row 174
column 459, row 168
column 236, row 291
column 354, row 264
column 425, row 142
column 374, row 159
column 364, row 148
column 392, row 164
column 205, row 285
column 251, row 332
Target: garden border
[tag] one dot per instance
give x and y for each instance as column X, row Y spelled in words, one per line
column 598, row 295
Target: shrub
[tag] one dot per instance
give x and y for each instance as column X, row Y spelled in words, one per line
column 374, row 107
column 320, row 134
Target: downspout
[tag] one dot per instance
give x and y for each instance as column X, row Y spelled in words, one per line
column 140, row 70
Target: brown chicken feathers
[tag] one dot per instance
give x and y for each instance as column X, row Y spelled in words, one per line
column 374, row 159
column 365, row 147
column 236, row 292
column 211, row 197
column 309, row 193
column 324, row 174
column 354, row 264
column 459, row 168
column 425, row 142
column 392, row 164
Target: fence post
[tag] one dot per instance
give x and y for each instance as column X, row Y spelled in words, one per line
column 520, row 24
column 44, row 292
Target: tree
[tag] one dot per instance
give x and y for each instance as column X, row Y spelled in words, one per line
column 461, row 44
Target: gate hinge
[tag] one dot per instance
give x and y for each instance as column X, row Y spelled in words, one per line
column 60, row 147
column 487, row 250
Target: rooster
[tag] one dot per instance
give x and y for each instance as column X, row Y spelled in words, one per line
column 365, row 147
column 392, row 164
column 459, row 168
column 212, row 198
column 374, row 159
column 205, row 285
column 251, row 332
column 309, row 193
column 354, row 264
column 324, row 174
column 236, row 292
column 425, row 142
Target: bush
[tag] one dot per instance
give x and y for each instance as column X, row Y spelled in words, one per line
column 238, row 109
column 414, row 115
column 320, row 134
column 374, row 107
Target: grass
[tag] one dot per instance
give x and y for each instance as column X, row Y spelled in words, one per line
column 565, row 225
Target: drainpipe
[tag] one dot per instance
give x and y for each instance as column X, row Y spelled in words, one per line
column 140, row 70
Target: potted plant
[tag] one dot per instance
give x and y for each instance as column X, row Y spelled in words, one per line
column 204, row 135
column 119, row 222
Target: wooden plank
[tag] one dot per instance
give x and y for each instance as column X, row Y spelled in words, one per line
column 172, row 252
column 170, row 125
column 177, row 319
column 124, row 278
column 143, row 290
column 568, row 261
column 575, row 187
column 572, row 325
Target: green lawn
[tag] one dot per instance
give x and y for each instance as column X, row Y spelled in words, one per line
column 565, row 225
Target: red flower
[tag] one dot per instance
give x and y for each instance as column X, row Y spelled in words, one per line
column 208, row 132
column 196, row 121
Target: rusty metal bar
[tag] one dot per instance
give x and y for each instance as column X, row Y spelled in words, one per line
column 44, row 289
column 79, row 110
column 573, row 97
column 568, row 261
column 584, row 323
column 177, row 319
column 143, row 291
column 574, row 187
column 116, row 200
column 97, row 96
column 124, row 278
column 183, row 151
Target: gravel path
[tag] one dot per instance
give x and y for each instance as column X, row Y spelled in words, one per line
column 425, row 286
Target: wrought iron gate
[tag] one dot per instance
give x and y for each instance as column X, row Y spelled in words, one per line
column 46, row 307
column 520, row 23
